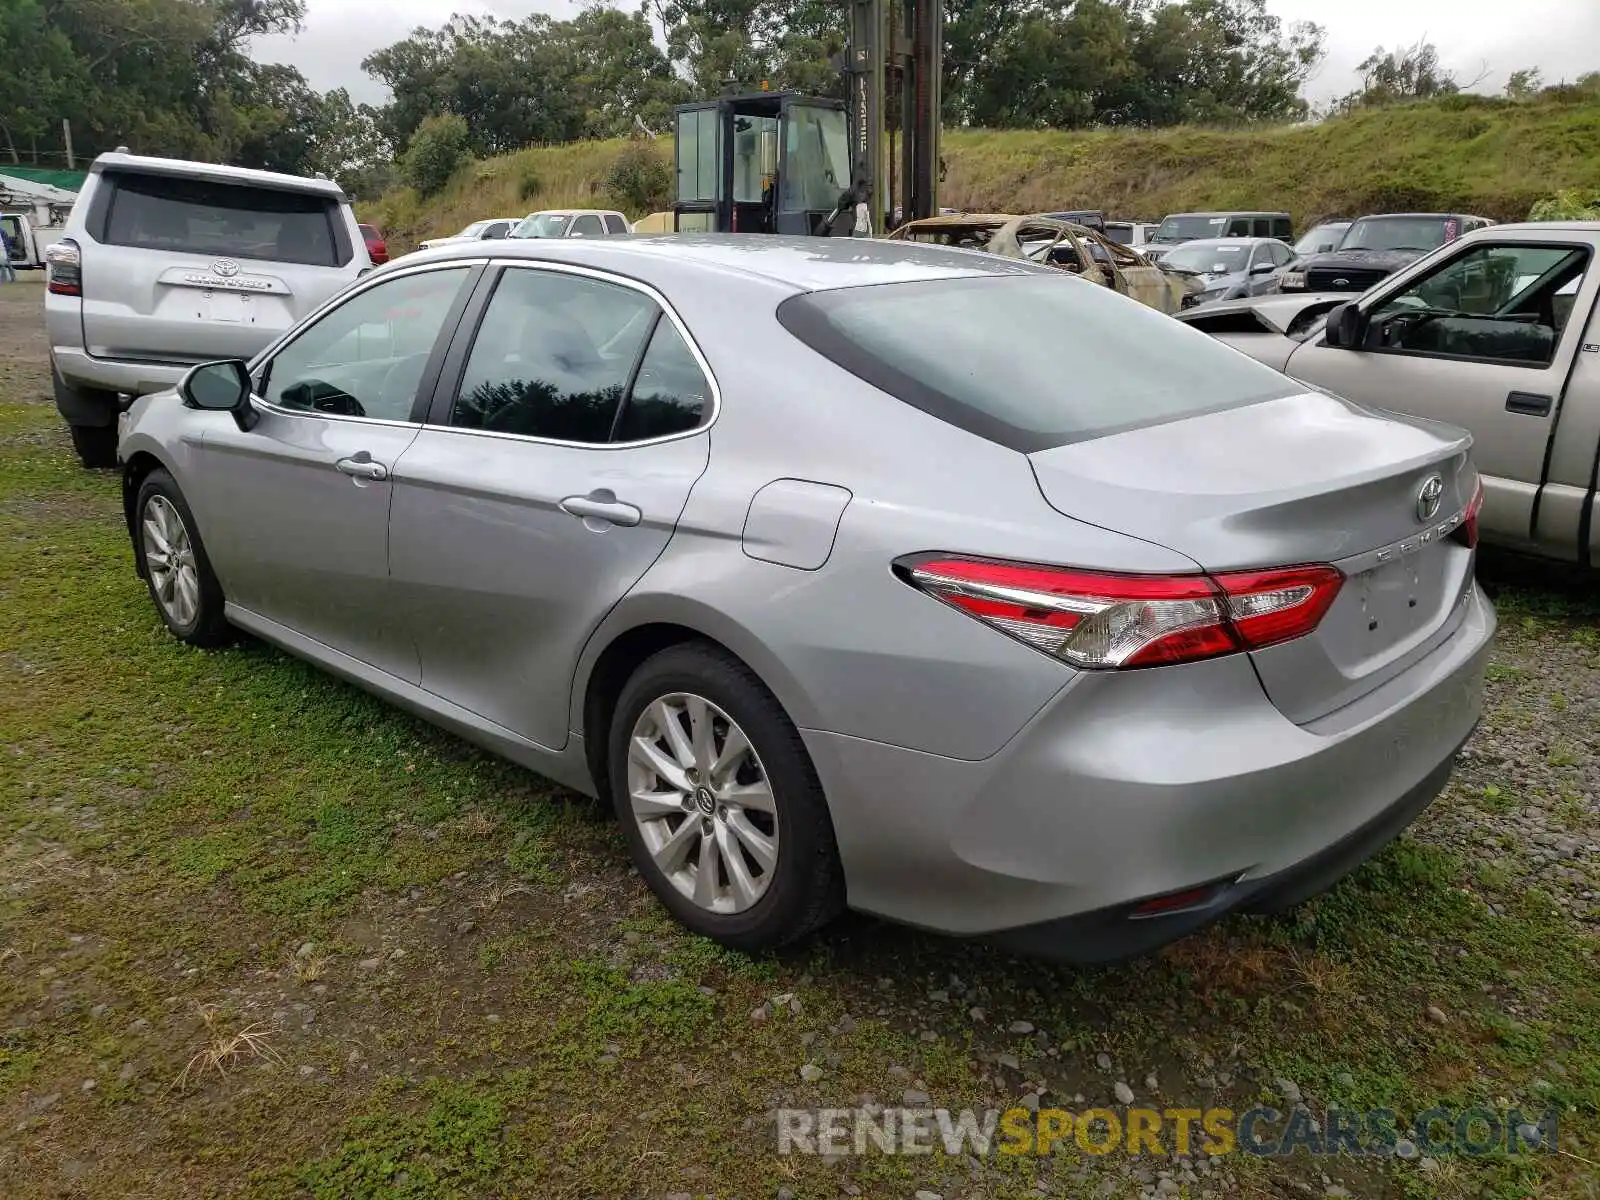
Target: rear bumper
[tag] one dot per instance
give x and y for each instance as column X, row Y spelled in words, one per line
column 1110, row 935
column 131, row 378
column 1139, row 784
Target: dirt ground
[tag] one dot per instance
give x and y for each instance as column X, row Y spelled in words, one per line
column 261, row 935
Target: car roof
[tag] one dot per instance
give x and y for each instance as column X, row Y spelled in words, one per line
column 1230, row 212
column 1421, row 216
column 800, row 264
column 572, row 212
column 186, row 169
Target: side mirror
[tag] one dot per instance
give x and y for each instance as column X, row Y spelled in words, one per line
column 1347, row 325
column 1264, row 268
column 220, row 387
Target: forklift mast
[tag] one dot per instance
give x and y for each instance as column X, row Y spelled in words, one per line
column 781, row 162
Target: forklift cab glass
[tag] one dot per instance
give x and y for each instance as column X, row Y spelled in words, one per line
column 755, row 141
column 697, row 155
column 816, row 166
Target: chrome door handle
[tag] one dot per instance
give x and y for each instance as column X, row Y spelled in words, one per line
column 602, row 505
column 359, row 467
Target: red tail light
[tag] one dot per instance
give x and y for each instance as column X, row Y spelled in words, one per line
column 1467, row 532
column 64, row 268
column 1091, row 619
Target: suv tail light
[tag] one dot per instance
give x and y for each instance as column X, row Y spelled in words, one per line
column 1467, row 532
column 64, row 268
column 1096, row 620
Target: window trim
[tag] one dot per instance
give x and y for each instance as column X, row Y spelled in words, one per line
column 430, row 373
column 1422, row 276
column 448, row 382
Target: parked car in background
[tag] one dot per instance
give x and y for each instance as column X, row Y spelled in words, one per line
column 489, row 230
column 572, row 223
column 1178, row 228
column 1321, row 240
column 377, row 247
column 1376, row 246
column 1130, row 233
column 166, row 263
column 1226, row 268
column 1498, row 332
column 1059, row 244
column 587, row 503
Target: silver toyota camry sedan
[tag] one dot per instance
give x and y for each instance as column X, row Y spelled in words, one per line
column 934, row 584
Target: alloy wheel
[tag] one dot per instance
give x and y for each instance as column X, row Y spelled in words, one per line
column 169, row 556
column 703, row 803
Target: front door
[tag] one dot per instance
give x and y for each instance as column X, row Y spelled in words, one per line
column 1481, row 341
column 298, row 507
column 549, row 479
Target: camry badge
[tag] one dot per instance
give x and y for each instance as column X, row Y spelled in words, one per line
column 1428, row 497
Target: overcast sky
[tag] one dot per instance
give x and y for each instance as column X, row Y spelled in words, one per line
column 1491, row 38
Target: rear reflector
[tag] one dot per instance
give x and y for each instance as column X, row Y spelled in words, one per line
column 1096, row 620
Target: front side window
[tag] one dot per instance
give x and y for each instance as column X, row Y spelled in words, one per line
column 553, row 356
column 200, row 216
column 587, row 225
column 366, row 357
column 496, row 231
column 1508, row 303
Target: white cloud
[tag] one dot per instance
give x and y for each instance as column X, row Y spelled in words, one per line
column 1486, row 38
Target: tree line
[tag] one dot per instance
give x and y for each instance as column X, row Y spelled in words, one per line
column 177, row 77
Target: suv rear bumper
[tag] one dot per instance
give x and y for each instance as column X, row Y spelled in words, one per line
column 131, row 378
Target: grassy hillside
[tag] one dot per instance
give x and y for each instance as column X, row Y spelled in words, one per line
column 1469, row 153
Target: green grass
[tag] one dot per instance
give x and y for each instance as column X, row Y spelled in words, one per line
column 1475, row 154
column 501, row 1009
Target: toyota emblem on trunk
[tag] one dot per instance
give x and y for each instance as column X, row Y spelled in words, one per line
column 1428, row 497
column 225, row 267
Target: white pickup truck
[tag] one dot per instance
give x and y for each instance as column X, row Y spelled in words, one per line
column 1499, row 332
column 26, row 241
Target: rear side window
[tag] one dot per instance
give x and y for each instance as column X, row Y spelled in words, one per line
column 614, row 224
column 196, row 216
column 1282, row 229
column 670, row 394
column 1030, row 361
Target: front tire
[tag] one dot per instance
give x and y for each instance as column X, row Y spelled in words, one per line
column 722, row 809
column 179, row 575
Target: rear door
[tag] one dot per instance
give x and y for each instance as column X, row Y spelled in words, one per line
column 1497, row 361
column 297, row 508
column 559, row 453
column 181, row 269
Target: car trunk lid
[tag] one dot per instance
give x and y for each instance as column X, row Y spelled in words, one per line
column 1304, row 479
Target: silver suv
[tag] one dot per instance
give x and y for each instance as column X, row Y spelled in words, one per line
column 166, row 263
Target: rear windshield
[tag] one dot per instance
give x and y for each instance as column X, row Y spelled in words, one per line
column 195, row 216
column 1030, row 361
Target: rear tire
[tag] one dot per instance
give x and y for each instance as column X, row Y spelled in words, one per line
column 96, row 445
column 176, row 569
column 741, row 847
